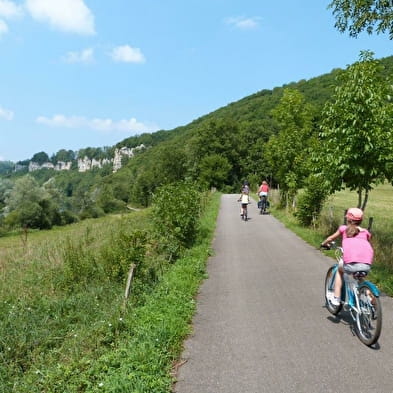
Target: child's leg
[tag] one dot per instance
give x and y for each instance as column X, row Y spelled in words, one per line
column 338, row 282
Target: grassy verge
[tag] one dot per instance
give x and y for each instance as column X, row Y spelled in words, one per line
column 58, row 338
column 379, row 208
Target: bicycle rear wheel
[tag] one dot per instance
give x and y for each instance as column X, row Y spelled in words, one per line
column 263, row 205
column 329, row 288
column 369, row 320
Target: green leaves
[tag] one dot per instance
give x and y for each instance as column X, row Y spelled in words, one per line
column 356, row 128
column 356, row 16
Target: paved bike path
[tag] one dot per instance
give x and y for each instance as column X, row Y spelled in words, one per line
column 261, row 324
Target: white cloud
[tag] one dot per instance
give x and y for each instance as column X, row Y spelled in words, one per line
column 66, row 15
column 3, row 27
column 6, row 114
column 243, row 23
column 127, row 54
column 106, row 125
column 84, row 56
column 8, row 9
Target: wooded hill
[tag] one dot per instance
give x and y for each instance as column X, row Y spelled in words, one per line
column 220, row 150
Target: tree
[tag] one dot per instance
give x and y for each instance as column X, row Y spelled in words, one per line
column 287, row 152
column 40, row 158
column 214, row 170
column 216, row 138
column 64, row 156
column 358, row 15
column 29, row 205
column 356, row 131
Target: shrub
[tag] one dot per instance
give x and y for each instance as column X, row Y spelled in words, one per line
column 310, row 202
column 176, row 210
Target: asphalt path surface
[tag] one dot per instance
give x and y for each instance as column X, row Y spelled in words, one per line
column 261, row 324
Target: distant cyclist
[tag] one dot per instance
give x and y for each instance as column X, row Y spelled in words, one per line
column 245, row 200
column 262, row 193
column 245, row 187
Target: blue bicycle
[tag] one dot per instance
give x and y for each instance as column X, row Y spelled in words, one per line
column 359, row 297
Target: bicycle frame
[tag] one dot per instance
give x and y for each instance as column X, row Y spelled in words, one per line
column 356, row 298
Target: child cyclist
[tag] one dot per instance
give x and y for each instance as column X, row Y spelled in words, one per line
column 244, row 198
column 357, row 250
column 262, row 193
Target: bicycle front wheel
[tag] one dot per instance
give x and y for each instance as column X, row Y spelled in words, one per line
column 329, row 289
column 369, row 320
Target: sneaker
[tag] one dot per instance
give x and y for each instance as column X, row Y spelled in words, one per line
column 335, row 301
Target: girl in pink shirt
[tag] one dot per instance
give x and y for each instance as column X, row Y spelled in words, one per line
column 357, row 251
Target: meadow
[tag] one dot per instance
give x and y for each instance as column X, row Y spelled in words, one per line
column 65, row 324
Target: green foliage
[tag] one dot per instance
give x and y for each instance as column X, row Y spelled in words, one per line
column 214, row 170
column 175, row 214
column 288, row 152
column 356, row 141
column 311, row 200
column 125, row 248
column 215, row 144
column 6, row 167
column 80, row 263
column 63, row 155
column 75, row 336
column 358, row 15
column 40, row 158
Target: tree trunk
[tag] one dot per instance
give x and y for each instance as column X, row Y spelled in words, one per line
column 359, row 198
column 365, row 200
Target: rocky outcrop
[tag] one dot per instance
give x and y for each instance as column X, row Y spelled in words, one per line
column 86, row 163
column 60, row 166
column 124, row 152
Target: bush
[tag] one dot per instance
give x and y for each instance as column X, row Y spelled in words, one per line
column 176, row 211
column 310, row 202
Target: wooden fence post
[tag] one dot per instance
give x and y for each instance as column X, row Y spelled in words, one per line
column 128, row 286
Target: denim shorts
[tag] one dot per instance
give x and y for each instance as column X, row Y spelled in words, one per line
column 356, row 267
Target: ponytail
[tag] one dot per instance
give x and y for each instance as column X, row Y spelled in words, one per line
column 353, row 228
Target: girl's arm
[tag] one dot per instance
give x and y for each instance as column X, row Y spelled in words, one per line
column 331, row 238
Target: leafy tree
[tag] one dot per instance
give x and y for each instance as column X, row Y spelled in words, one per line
column 175, row 214
column 5, row 187
column 64, row 156
column 40, row 158
column 6, row 167
column 287, row 152
column 26, row 189
column 219, row 137
column 358, row 15
column 29, row 205
column 356, row 131
column 214, row 170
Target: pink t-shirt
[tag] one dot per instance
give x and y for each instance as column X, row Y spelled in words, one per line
column 357, row 248
column 263, row 188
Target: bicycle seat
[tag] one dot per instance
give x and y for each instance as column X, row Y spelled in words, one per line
column 360, row 274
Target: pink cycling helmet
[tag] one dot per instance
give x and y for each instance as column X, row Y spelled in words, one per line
column 354, row 214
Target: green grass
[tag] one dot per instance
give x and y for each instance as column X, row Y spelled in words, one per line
column 79, row 338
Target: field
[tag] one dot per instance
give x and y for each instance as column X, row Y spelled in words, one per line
column 64, row 323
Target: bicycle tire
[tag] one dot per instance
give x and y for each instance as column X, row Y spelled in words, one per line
column 369, row 322
column 263, row 206
column 329, row 286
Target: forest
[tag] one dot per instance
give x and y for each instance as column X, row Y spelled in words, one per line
column 318, row 136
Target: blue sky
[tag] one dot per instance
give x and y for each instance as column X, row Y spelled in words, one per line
column 84, row 73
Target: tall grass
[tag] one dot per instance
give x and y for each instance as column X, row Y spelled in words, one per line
column 63, row 325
